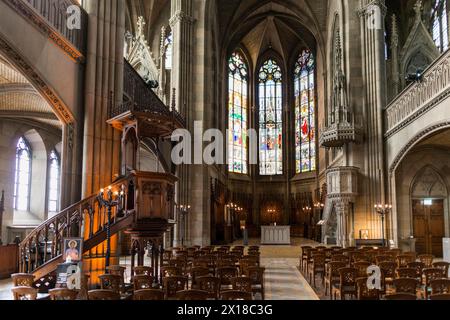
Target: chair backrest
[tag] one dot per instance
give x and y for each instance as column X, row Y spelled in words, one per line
column 406, row 285
column 401, row 296
column 407, row 273
column 236, row 295
column 319, row 260
column 177, row 262
column 103, row 295
column 426, row 259
column 111, row 282
column 195, row 295
column 141, row 270
column 419, row 266
column 142, row 281
column 432, row 274
column 440, row 286
column 210, row 284
column 63, row 294
column 347, row 277
column 148, row 294
column 197, row 272
column 24, row 293
column 334, row 266
column 362, row 268
column 256, row 274
column 340, row 258
column 172, row 285
column 404, row 259
column 242, row 284
column 225, row 274
column 171, row 271
column 384, row 258
column 364, row 293
column 440, row 296
column 388, row 269
column 442, row 265
column 22, row 279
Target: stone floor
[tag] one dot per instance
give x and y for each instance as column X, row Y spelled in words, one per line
column 283, row 279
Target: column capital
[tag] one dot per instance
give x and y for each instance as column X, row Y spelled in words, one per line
column 369, row 8
column 181, row 16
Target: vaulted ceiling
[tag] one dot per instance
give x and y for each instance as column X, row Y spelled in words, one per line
column 283, row 26
column 19, row 99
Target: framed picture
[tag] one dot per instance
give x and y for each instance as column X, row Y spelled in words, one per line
column 73, row 249
column 364, row 234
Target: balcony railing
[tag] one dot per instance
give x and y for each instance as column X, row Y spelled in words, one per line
column 419, row 97
column 139, row 97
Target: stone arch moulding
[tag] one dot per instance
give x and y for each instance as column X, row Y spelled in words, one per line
column 416, row 139
column 15, row 58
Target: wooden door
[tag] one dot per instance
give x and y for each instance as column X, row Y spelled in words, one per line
column 428, row 225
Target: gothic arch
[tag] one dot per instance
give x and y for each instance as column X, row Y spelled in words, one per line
column 428, row 183
column 13, row 56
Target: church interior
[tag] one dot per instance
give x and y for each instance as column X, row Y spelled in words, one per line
column 224, row 150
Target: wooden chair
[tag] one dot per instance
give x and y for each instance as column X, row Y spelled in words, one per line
column 407, row 273
column 119, row 271
column 401, row 296
column 225, row 263
column 317, row 268
column 192, row 295
column 103, row 295
column 440, row 297
column 340, row 258
column 404, row 259
column 247, row 263
column 148, row 294
column 236, row 295
column 22, row 279
column 406, row 285
column 394, row 252
column 209, row 284
column 256, row 274
column 197, row 272
column 63, row 294
column 384, row 258
column 172, row 285
column 225, row 275
column 431, row 274
column 426, row 259
column 387, row 274
column 171, row 271
column 111, row 282
column 167, row 256
column 141, row 270
column 179, row 263
column 305, row 257
column 242, row 284
column 332, row 274
column 362, row 268
column 24, row 293
column 142, row 281
column 418, row 266
column 347, row 283
column 442, row 265
column 364, row 293
column 440, row 286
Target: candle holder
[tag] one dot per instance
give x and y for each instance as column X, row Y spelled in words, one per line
column 110, row 200
column 383, row 210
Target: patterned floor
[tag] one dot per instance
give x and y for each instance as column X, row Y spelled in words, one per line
column 283, row 280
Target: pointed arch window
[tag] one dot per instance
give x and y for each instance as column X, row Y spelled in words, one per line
column 440, row 24
column 270, row 119
column 22, row 176
column 305, row 108
column 237, row 114
column 54, row 182
column 168, row 42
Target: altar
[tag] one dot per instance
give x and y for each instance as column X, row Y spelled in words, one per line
column 276, row 235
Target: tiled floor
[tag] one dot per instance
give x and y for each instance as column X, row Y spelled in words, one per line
column 283, row 280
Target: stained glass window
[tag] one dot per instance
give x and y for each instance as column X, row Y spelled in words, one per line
column 305, row 105
column 237, row 114
column 439, row 24
column 53, row 188
column 270, row 119
column 22, row 176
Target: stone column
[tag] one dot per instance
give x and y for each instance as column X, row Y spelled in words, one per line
column 372, row 14
column 394, row 58
column 104, row 75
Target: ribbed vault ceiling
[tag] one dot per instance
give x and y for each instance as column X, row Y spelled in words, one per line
column 19, row 100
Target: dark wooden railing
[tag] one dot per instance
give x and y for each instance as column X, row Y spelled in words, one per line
column 86, row 219
column 55, row 13
column 139, row 97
